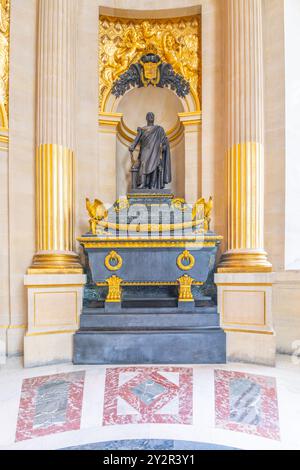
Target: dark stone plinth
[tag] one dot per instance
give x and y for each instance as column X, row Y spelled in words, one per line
column 150, row 196
column 165, row 318
column 148, row 335
column 147, row 192
column 154, row 302
column 112, row 306
column 183, row 306
column 195, row 346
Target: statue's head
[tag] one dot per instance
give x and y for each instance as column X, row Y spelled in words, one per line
column 150, row 118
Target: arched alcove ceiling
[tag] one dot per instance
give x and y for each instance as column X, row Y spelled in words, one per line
column 135, row 104
column 124, row 39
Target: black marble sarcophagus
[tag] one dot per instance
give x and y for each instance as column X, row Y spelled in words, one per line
column 150, row 296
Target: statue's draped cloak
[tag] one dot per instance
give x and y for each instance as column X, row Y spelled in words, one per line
column 154, row 153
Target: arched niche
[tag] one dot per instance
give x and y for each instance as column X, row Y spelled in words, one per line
column 179, row 115
column 117, row 128
column 133, row 107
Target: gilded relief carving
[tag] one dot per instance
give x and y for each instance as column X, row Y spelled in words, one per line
column 4, row 60
column 123, row 41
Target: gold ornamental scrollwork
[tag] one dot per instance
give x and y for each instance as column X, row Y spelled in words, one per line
column 4, row 61
column 122, row 41
column 185, row 256
column 113, row 257
column 179, row 203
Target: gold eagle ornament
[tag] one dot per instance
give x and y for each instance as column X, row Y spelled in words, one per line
column 97, row 212
column 202, row 209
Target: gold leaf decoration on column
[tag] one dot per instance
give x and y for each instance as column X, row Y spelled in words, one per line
column 122, row 41
column 4, row 61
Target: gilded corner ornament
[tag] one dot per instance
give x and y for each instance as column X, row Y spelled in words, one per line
column 4, row 61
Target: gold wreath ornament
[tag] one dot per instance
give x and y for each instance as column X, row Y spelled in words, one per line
column 185, row 256
column 113, row 256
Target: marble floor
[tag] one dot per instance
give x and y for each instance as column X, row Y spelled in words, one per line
column 232, row 406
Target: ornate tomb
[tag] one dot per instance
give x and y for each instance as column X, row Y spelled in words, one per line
column 150, row 296
column 150, row 260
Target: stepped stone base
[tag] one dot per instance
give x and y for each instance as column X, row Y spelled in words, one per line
column 150, row 336
column 203, row 346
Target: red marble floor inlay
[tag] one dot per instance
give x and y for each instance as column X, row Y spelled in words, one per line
column 246, row 403
column 50, row 404
column 148, row 395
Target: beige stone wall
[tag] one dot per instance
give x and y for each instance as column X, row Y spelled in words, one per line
column 89, row 172
column 286, row 311
column 273, row 31
column 21, row 186
column 213, row 113
column 4, row 243
column 286, row 288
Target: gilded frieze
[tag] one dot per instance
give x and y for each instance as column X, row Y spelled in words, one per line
column 122, row 41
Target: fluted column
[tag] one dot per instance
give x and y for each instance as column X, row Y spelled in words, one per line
column 245, row 138
column 55, row 159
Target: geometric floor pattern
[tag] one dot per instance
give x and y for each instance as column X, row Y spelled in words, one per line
column 230, row 406
column 136, row 395
column 246, row 403
column 50, row 404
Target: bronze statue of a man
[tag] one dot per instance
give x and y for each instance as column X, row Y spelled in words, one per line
column 154, row 162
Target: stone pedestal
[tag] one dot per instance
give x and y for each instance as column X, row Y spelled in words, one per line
column 54, row 307
column 245, row 306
